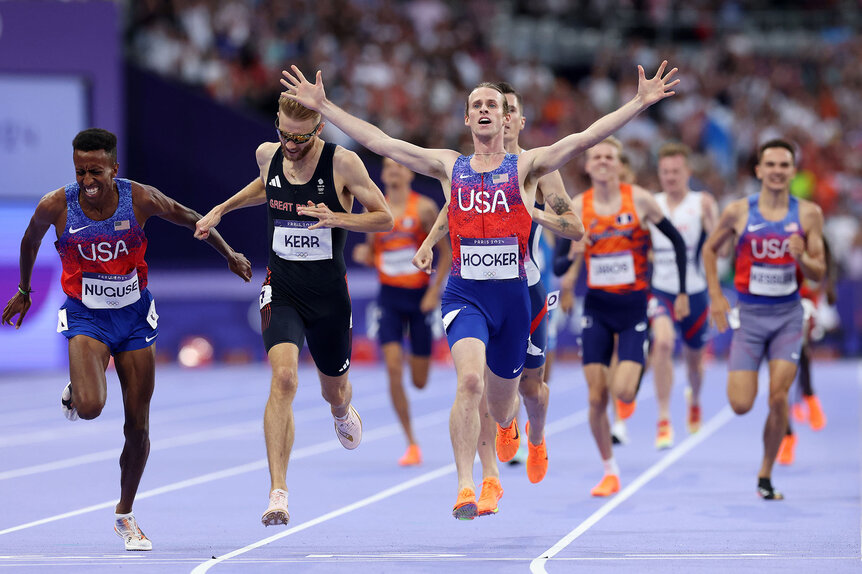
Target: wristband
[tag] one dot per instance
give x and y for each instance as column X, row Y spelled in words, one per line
column 23, row 292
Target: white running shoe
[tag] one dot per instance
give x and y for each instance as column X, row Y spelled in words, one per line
column 276, row 513
column 349, row 431
column 620, row 432
column 69, row 411
column 127, row 528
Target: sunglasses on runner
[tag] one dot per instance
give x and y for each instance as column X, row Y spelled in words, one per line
column 296, row 138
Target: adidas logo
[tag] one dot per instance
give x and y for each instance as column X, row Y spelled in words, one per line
column 275, row 182
column 344, row 368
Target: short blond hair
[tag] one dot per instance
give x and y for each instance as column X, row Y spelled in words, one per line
column 294, row 110
column 674, row 148
column 612, row 141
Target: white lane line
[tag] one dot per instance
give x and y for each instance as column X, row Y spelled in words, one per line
column 573, row 420
column 429, row 419
column 164, row 414
column 383, row 494
column 375, row 401
column 537, row 566
column 207, row 435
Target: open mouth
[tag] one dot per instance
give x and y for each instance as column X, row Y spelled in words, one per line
column 485, row 121
column 91, row 191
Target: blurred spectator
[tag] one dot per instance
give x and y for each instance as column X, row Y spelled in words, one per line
column 405, row 65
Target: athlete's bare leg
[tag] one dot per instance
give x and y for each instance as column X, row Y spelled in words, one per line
column 419, row 369
column 781, row 375
column 627, row 376
column 536, row 393
column 278, row 428
column 694, row 368
column 741, row 390
column 88, row 359
column 393, row 356
column 468, row 354
column 664, row 339
column 596, row 375
column 487, row 432
column 137, row 373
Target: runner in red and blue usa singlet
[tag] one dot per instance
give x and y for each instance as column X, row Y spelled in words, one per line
column 103, row 261
column 618, row 282
column 766, row 272
column 486, row 296
column 105, row 275
column 769, row 314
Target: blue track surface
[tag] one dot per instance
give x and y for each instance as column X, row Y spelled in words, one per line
column 690, row 509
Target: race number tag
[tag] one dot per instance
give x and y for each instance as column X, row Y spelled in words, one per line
column 772, row 280
column 152, row 316
column 493, row 258
column 398, row 262
column 553, row 300
column 293, row 241
column 612, row 269
column 103, row 291
column 265, row 295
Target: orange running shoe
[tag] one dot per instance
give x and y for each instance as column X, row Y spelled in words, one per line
column 507, row 442
column 786, row 452
column 610, row 484
column 694, row 415
column 799, row 412
column 412, row 457
column 492, row 492
column 625, row 410
column 664, row 435
column 465, row 507
column 816, row 417
column 537, row 459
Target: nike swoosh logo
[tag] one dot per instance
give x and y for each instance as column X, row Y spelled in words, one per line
column 73, row 230
column 516, row 370
column 464, row 176
column 753, row 228
column 148, row 339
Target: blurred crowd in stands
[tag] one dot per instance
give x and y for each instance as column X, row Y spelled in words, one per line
column 750, row 71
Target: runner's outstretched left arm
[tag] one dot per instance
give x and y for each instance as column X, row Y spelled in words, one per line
column 149, row 201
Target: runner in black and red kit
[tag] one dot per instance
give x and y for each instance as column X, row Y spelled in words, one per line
column 490, row 199
column 308, row 186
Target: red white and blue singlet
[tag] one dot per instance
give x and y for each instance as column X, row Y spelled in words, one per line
column 103, row 261
column 489, row 225
column 486, row 297
column 766, row 272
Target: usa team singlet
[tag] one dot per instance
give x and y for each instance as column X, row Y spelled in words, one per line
column 770, row 314
column 105, row 275
column 486, row 296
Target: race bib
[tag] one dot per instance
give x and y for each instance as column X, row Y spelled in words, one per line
column 612, row 269
column 484, row 259
column 772, row 280
column 398, row 262
column 293, row 241
column 103, row 291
